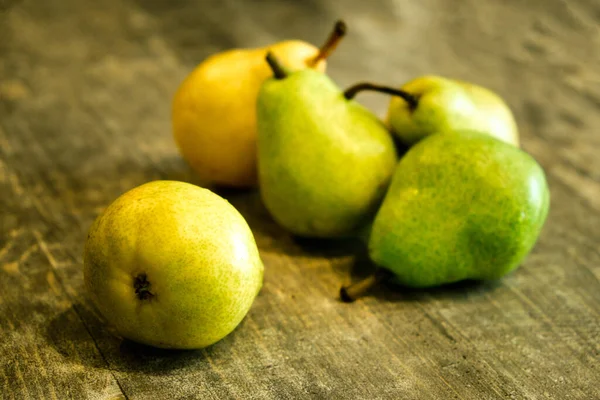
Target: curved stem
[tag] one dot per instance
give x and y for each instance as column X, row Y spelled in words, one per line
column 352, row 292
column 338, row 32
column 278, row 71
column 352, row 91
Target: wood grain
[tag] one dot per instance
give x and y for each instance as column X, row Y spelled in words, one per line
column 84, row 116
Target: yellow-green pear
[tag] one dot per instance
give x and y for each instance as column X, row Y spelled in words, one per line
column 325, row 161
column 431, row 104
column 213, row 110
column 172, row 265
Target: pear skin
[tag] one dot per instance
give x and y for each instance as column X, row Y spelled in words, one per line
column 461, row 205
column 446, row 104
column 324, row 161
column 213, row 110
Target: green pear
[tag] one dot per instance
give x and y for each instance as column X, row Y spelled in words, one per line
column 324, row 161
column 171, row 265
column 431, row 104
column 461, row 205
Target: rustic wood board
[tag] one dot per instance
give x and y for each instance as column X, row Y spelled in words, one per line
column 85, row 88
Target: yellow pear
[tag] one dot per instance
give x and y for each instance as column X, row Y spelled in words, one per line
column 214, row 108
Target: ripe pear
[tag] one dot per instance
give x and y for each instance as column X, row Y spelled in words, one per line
column 213, row 110
column 461, row 205
column 172, row 265
column 324, row 160
column 431, row 104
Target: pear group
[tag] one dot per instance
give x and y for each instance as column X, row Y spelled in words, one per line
column 439, row 190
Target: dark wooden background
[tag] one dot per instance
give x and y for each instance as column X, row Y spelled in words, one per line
column 85, row 91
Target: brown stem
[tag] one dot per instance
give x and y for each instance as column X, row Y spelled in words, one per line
column 352, row 292
column 411, row 99
column 278, row 71
column 338, row 32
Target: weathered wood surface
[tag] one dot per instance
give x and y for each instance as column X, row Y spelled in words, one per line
column 85, row 88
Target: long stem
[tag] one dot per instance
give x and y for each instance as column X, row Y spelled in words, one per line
column 352, row 91
column 278, row 71
column 352, row 292
column 338, row 32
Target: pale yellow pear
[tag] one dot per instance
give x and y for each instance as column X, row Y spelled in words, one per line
column 214, row 109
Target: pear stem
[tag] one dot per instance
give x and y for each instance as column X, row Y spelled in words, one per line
column 352, row 91
column 350, row 293
column 338, row 32
column 275, row 65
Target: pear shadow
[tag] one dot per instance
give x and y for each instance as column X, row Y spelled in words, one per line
column 268, row 234
column 358, row 266
column 390, row 291
column 457, row 291
column 272, row 237
column 151, row 360
column 336, row 247
column 401, row 148
column 71, row 338
column 80, row 337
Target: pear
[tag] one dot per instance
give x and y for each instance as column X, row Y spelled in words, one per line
column 213, row 110
column 431, row 104
column 324, row 160
column 462, row 205
column 172, row 265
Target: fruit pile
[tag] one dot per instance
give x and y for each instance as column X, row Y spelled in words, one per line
column 440, row 191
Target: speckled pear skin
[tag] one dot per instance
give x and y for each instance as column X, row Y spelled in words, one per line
column 449, row 104
column 462, row 205
column 195, row 250
column 324, row 162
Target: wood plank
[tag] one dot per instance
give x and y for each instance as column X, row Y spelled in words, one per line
column 43, row 337
column 84, row 116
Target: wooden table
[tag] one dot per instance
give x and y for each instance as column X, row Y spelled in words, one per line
column 85, row 90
